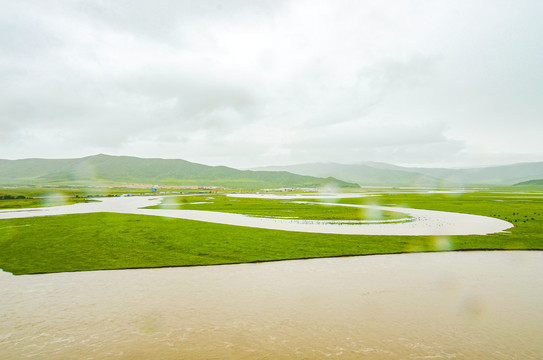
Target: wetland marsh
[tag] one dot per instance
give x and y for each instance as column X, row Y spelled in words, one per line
column 117, row 233
column 448, row 304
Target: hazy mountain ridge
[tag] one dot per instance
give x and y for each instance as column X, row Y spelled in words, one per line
column 105, row 169
column 382, row 174
column 536, row 182
column 364, row 174
column 493, row 175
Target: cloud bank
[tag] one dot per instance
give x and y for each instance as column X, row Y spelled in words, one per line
column 248, row 83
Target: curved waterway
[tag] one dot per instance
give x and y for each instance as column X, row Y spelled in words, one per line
column 458, row 305
column 418, row 222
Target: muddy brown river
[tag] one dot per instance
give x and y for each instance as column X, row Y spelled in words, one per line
column 457, row 305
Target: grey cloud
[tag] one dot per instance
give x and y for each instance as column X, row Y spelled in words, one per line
column 170, row 20
column 7, row 132
column 299, row 79
column 328, row 101
column 391, row 74
column 192, row 102
column 400, row 144
column 21, row 39
column 361, row 136
column 193, row 94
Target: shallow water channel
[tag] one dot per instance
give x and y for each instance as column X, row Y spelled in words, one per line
column 420, row 222
column 462, row 305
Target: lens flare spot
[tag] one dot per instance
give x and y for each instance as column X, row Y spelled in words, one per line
column 168, row 202
column 54, row 199
column 472, row 307
column 442, row 243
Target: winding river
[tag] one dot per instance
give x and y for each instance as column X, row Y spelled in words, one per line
column 422, row 222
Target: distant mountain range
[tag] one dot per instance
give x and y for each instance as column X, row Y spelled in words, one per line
column 381, row 174
column 110, row 170
column 105, row 169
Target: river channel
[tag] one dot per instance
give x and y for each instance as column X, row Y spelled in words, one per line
column 455, row 305
column 421, row 222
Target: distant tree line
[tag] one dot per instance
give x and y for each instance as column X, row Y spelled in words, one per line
column 11, row 197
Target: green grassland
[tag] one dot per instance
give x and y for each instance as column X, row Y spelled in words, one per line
column 37, row 196
column 82, row 191
column 116, row 241
column 39, row 202
column 275, row 208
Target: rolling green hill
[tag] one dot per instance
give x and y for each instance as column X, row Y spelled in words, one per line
column 105, row 169
column 538, row 182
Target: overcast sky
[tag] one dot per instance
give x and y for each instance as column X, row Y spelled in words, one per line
column 250, row 83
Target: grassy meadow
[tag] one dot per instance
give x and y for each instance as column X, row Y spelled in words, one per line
column 281, row 208
column 37, row 196
column 116, row 241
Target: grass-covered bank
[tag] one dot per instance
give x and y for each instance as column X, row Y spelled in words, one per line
column 23, row 203
column 277, row 208
column 524, row 209
column 115, row 241
column 37, row 196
